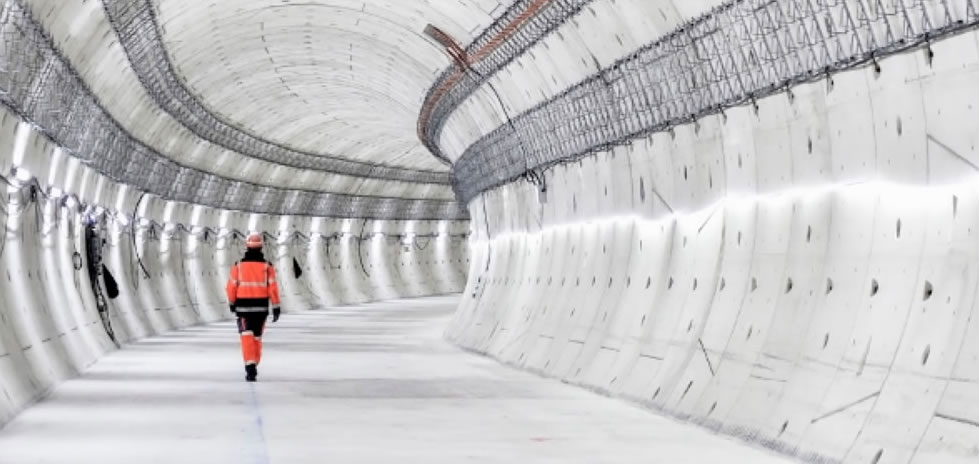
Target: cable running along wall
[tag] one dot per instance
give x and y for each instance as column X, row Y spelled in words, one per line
column 523, row 25
column 138, row 29
column 38, row 84
column 739, row 52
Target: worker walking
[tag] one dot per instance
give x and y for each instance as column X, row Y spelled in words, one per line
column 252, row 290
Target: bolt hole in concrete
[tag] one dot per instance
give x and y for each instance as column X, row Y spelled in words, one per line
column 876, row 459
column 874, row 287
column 929, row 290
column 925, row 355
column 829, row 285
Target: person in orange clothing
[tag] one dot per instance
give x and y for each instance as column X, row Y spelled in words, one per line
column 252, row 290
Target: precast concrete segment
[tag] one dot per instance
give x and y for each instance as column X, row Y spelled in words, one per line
column 721, row 60
column 52, row 325
column 92, row 264
column 831, row 323
column 595, row 35
column 365, row 56
column 531, row 19
column 335, row 384
column 47, row 331
column 47, row 91
column 135, row 23
column 82, row 33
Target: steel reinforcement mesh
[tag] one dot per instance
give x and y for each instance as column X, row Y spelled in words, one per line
column 39, row 85
column 514, row 32
column 739, row 52
column 138, row 29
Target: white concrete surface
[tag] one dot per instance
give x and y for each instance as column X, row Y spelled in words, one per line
column 372, row 383
column 802, row 276
column 351, row 90
column 50, row 327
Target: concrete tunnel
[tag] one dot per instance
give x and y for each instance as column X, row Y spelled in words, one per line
column 589, row 231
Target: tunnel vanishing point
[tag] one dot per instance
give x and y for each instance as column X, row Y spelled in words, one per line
column 561, row 231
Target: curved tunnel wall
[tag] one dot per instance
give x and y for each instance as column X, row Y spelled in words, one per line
column 802, row 276
column 169, row 263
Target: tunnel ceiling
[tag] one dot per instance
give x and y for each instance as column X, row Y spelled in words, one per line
column 267, row 106
column 332, row 86
column 332, row 78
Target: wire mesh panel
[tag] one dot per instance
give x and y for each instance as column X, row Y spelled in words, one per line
column 39, row 85
column 523, row 25
column 136, row 25
column 739, row 52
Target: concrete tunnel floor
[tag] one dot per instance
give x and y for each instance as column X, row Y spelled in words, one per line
column 372, row 383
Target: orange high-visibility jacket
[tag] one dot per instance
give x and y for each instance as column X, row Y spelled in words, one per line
column 252, row 286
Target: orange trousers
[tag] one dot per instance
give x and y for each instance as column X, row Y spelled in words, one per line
column 251, row 326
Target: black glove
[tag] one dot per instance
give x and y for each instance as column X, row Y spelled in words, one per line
column 275, row 314
column 232, row 308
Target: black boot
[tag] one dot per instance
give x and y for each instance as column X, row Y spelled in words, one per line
column 252, row 372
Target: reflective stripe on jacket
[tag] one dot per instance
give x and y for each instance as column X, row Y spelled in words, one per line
column 252, row 285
